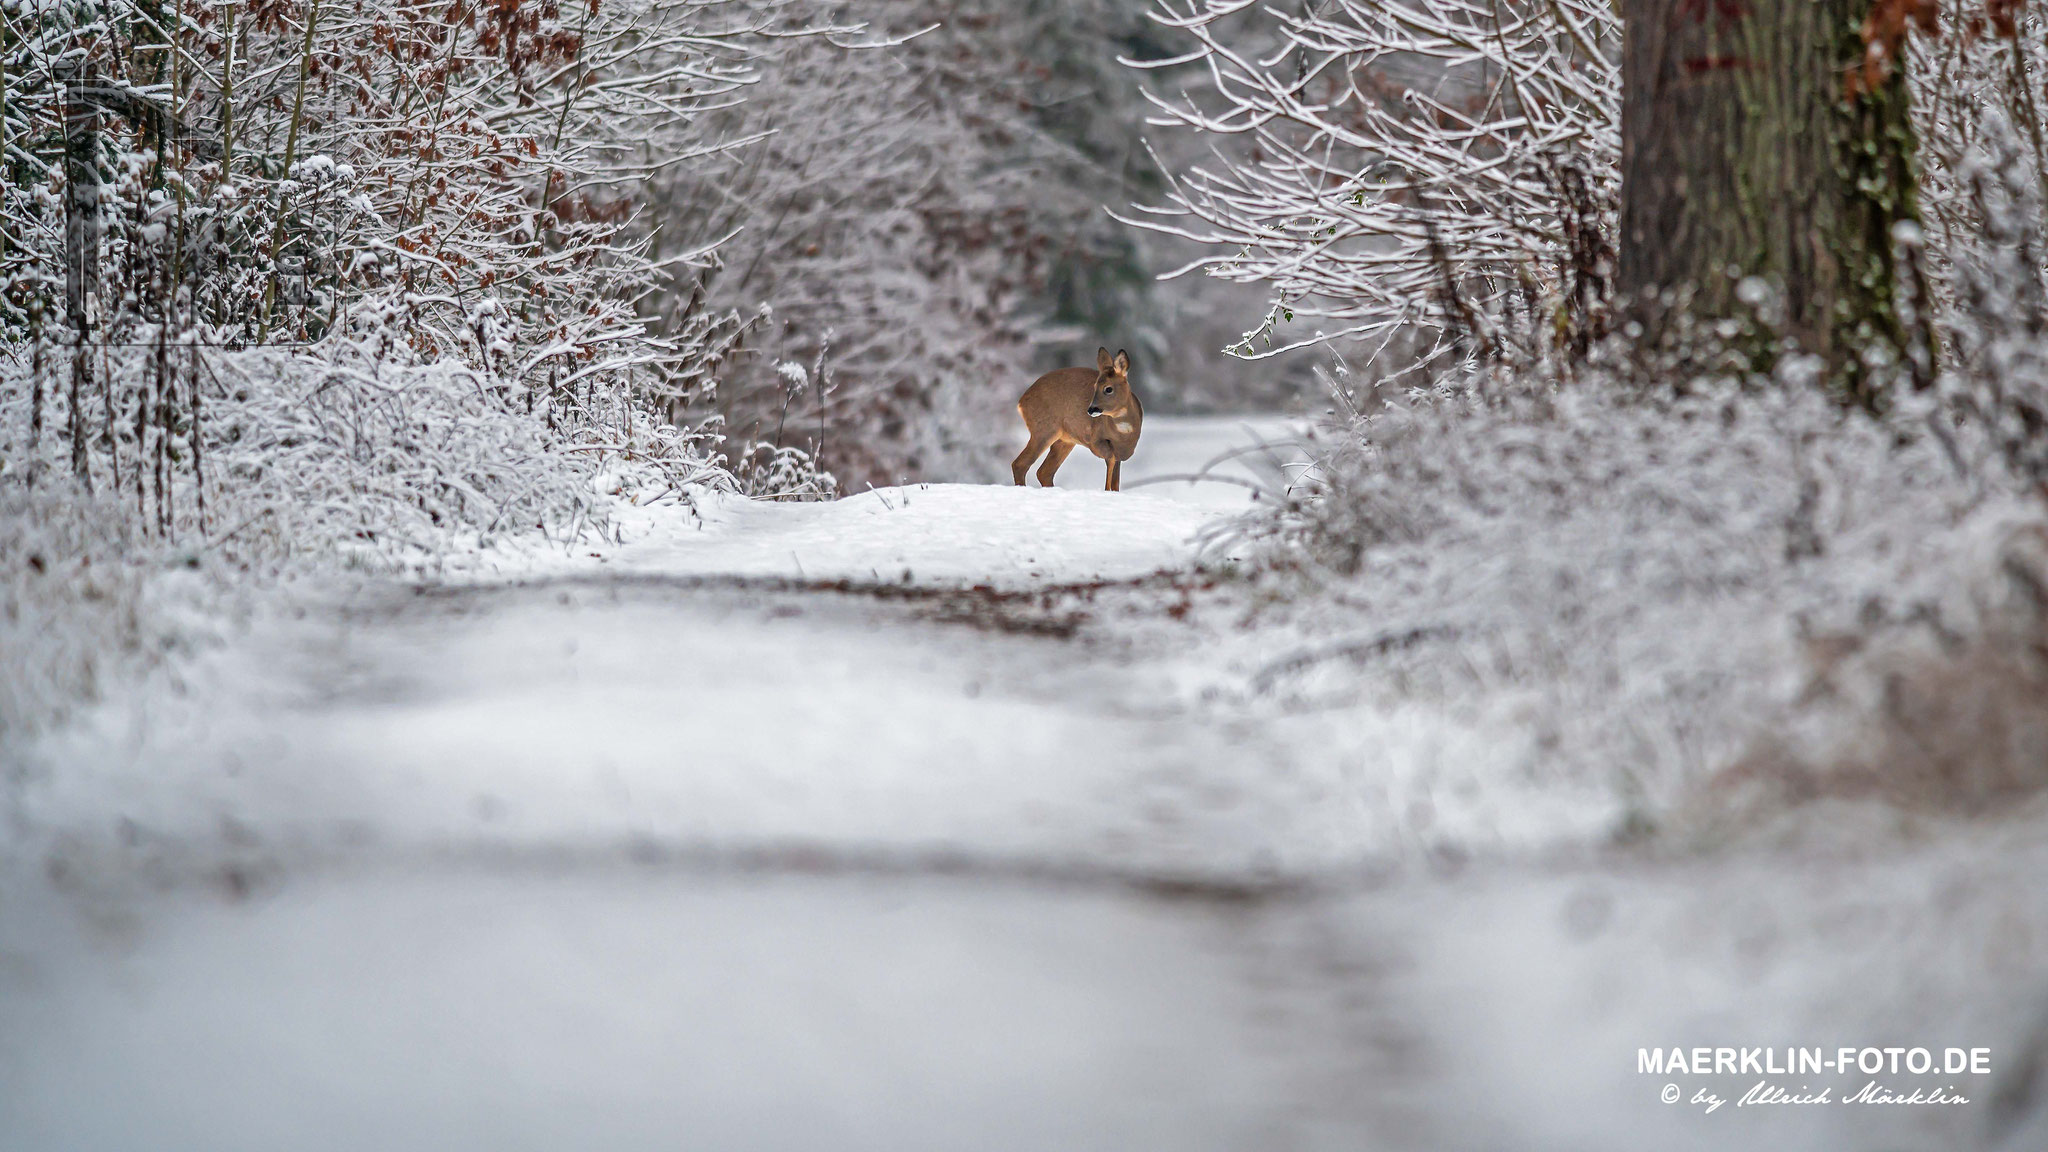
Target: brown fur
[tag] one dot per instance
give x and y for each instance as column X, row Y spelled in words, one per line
column 1055, row 411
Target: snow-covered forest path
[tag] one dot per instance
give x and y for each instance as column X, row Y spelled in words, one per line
column 680, row 845
column 736, row 837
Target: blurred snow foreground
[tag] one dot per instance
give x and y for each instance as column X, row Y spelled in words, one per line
column 934, row 817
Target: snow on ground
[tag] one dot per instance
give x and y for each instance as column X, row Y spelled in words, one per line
column 552, row 1008
column 964, row 534
column 930, row 534
column 671, row 847
column 714, row 720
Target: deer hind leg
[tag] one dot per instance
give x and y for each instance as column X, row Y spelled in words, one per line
column 1030, row 453
column 1053, row 460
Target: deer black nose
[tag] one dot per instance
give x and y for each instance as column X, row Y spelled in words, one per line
column 1094, row 411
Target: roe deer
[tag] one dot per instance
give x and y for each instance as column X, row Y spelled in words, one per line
column 1092, row 407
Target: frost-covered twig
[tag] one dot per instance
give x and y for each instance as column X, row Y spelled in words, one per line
column 1355, row 131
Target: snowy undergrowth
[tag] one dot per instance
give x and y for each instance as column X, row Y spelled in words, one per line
column 81, row 606
column 341, row 334
column 311, row 468
column 1656, row 593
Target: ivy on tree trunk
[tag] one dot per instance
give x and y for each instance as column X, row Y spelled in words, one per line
column 1751, row 147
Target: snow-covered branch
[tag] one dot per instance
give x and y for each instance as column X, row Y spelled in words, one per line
column 1360, row 140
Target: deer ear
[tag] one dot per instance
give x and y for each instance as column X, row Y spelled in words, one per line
column 1123, row 362
column 1101, row 358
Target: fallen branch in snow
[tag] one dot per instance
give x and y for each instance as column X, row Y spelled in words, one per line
column 1357, row 650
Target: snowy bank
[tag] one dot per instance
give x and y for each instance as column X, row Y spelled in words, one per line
column 952, row 535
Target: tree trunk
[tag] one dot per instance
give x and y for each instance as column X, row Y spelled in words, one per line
column 1748, row 150
column 81, row 191
column 81, row 240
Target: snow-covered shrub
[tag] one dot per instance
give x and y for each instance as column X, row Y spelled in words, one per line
column 385, row 462
column 1636, row 575
column 85, row 603
column 1986, row 388
column 304, row 279
column 432, row 208
column 1943, row 707
column 1371, row 151
column 1976, row 83
column 783, row 473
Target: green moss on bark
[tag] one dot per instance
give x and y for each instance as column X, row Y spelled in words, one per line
column 1746, row 153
